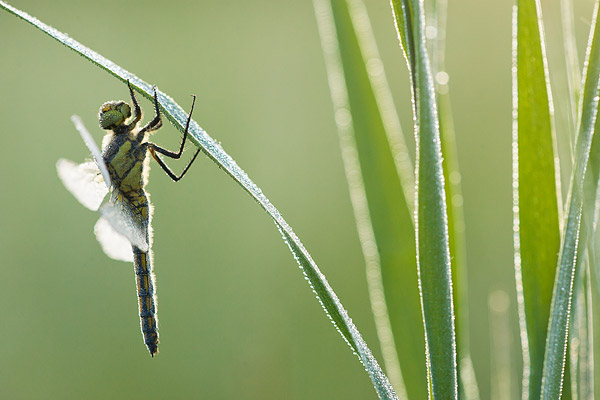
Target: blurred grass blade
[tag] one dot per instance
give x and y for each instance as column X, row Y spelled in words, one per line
column 403, row 19
column 436, row 18
column 502, row 387
column 433, row 256
column 582, row 363
column 467, row 384
column 535, row 196
column 554, row 360
column 580, row 346
column 371, row 140
column 594, row 337
column 213, row 150
column 572, row 63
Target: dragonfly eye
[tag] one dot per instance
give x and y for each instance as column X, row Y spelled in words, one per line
column 113, row 114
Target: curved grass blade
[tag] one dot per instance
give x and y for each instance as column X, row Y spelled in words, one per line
column 213, row 150
column 554, row 359
column 433, row 255
column 535, row 195
column 381, row 190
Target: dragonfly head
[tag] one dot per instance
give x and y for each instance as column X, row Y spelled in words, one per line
column 113, row 114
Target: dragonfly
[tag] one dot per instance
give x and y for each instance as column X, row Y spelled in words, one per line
column 120, row 170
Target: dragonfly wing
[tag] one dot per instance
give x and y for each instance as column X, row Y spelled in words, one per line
column 91, row 145
column 83, row 181
column 115, row 245
column 124, row 219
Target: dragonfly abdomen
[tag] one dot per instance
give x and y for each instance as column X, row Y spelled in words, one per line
column 146, row 299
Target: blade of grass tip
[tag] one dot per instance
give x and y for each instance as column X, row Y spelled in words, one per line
column 371, row 142
column 536, row 207
column 213, row 150
column 554, row 359
column 436, row 16
column 433, row 255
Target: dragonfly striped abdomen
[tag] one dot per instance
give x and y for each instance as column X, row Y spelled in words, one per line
column 146, row 298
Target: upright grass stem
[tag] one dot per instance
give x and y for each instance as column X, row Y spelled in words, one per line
column 431, row 221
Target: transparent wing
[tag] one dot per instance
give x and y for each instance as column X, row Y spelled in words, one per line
column 127, row 221
column 91, row 145
column 115, row 245
column 83, row 181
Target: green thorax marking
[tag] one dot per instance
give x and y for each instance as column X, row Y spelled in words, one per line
column 125, row 157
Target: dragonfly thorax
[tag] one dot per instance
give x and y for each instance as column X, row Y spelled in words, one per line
column 125, row 157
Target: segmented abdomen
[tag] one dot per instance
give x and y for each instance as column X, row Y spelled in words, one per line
column 146, row 299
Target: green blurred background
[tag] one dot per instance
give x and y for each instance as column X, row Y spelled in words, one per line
column 237, row 319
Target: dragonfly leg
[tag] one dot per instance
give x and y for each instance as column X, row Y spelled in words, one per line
column 154, row 149
column 172, row 154
column 137, row 116
column 156, row 123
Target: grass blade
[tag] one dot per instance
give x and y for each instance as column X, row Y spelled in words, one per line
column 594, row 336
column 572, row 63
column 502, row 387
column 381, row 193
column 554, row 359
column 433, row 256
column 580, row 360
column 537, row 235
column 436, row 17
column 402, row 11
column 213, row 150
column 467, row 384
